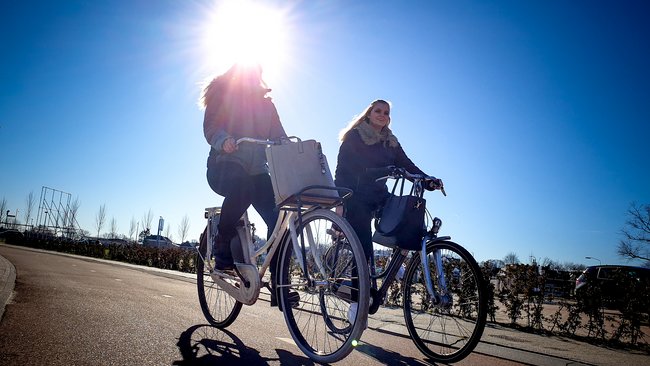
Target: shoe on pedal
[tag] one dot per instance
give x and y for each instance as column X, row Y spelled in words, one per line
column 224, row 266
column 223, row 257
column 224, row 262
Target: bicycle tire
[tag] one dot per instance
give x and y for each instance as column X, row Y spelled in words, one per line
column 219, row 308
column 319, row 322
column 446, row 333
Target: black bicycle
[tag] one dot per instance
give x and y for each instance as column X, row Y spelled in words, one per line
column 443, row 290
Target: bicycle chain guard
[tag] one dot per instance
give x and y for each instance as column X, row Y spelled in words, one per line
column 234, row 286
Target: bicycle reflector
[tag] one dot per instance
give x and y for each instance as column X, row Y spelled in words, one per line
column 436, row 225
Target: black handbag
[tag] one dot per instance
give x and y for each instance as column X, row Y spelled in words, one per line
column 402, row 217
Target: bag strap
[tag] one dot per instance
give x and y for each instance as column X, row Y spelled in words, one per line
column 401, row 190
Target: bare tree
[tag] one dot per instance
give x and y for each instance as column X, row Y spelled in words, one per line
column 184, row 228
column 113, row 228
column 132, row 228
column 3, row 209
column 636, row 233
column 511, row 258
column 100, row 218
column 74, row 208
column 570, row 266
column 147, row 217
column 549, row 263
column 29, row 206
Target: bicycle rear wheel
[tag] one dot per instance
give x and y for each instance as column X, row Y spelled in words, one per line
column 219, row 308
column 323, row 324
column 445, row 332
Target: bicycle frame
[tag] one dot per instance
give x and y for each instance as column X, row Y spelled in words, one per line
column 397, row 259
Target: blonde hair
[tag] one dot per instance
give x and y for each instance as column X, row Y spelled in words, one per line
column 362, row 117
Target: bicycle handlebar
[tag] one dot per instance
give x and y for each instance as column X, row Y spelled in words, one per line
column 279, row 141
column 393, row 172
column 256, row 141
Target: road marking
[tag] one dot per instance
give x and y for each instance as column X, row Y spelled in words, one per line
column 287, row 340
column 118, row 279
column 167, row 295
column 92, row 270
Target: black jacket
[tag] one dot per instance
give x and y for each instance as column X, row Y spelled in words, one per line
column 355, row 156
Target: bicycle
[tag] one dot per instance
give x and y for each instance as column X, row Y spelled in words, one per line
column 445, row 306
column 317, row 317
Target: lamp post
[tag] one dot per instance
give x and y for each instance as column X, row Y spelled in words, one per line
column 594, row 258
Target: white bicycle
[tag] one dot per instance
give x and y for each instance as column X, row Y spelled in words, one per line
column 321, row 270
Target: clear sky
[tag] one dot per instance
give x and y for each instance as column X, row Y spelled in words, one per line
column 536, row 114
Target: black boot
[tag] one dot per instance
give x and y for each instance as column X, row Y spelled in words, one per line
column 222, row 255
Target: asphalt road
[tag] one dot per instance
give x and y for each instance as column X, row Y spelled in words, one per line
column 74, row 310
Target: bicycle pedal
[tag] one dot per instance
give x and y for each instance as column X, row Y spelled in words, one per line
column 228, row 273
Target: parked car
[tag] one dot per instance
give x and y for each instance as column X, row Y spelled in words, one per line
column 187, row 245
column 612, row 283
column 157, row 241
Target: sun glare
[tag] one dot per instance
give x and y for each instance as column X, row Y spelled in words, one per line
column 246, row 31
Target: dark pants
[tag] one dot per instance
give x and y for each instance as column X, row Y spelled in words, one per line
column 359, row 214
column 240, row 190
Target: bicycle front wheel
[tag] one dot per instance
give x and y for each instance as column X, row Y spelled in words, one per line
column 219, row 308
column 334, row 290
column 449, row 330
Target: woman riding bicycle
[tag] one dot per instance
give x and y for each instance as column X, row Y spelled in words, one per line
column 367, row 142
column 236, row 105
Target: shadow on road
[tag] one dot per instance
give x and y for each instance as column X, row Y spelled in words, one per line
column 206, row 345
column 388, row 357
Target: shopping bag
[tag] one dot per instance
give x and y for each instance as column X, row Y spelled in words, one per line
column 296, row 165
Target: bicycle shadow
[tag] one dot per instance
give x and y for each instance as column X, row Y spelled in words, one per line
column 387, row 357
column 204, row 344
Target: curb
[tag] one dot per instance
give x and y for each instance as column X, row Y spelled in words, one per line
column 7, row 283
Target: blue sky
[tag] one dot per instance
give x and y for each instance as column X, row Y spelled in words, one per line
column 534, row 113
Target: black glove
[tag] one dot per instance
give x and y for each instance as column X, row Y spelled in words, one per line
column 433, row 183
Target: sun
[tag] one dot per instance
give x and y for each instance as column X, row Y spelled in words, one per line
column 246, row 32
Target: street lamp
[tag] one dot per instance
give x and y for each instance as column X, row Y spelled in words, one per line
column 594, row 258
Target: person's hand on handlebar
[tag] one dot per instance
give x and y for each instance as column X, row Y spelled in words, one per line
column 433, row 183
column 229, row 145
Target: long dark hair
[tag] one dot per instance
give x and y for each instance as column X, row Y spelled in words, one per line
column 239, row 77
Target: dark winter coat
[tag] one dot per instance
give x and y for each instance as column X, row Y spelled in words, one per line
column 358, row 153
